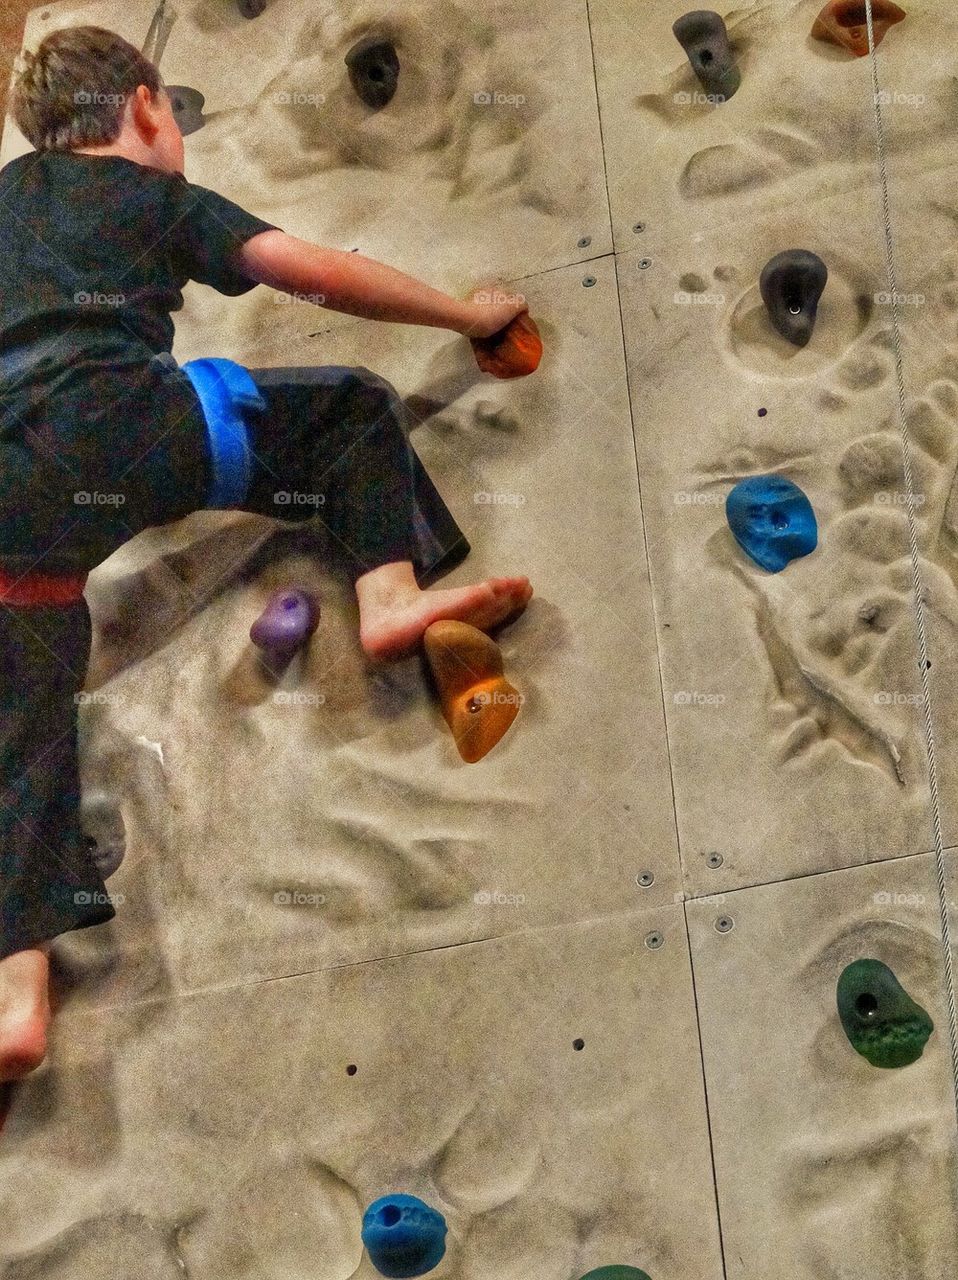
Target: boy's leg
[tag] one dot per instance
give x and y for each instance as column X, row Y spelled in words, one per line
column 24, row 1013
column 332, row 444
column 49, row 883
column 333, row 440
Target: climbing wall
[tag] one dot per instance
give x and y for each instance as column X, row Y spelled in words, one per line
column 580, row 997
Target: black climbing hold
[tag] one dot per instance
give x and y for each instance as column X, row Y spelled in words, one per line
column 374, row 71
column 187, row 105
column 880, row 1018
column 792, row 284
column 704, row 37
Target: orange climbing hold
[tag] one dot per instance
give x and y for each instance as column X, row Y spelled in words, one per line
column 845, row 22
column 477, row 700
column 513, row 352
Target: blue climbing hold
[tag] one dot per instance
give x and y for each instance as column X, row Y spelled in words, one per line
column 772, row 520
column 403, row 1236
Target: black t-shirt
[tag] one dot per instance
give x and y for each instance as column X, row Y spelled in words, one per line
column 100, row 246
column 94, row 253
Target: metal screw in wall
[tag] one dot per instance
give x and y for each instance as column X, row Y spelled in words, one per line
column 724, row 924
column 644, row 879
column 654, row 940
column 714, row 860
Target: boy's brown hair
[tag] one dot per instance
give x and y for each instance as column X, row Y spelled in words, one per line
column 73, row 89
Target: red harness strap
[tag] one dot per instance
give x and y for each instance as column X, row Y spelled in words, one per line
column 41, row 588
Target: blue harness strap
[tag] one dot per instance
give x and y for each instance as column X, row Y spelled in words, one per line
column 227, row 392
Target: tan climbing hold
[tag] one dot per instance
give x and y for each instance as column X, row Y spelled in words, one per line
column 845, row 22
column 478, row 702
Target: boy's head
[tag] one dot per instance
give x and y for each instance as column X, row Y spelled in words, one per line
column 87, row 89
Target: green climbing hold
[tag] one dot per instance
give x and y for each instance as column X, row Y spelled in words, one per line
column 880, row 1018
column 616, row 1273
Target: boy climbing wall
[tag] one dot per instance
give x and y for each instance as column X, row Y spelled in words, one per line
column 103, row 435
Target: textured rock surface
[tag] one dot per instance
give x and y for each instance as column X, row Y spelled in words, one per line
column 346, row 964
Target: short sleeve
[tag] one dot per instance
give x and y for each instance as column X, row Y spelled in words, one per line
column 206, row 233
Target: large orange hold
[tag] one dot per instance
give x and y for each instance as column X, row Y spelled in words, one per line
column 478, row 702
column 845, row 22
column 513, row 352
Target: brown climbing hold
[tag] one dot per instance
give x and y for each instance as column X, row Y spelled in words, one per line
column 513, row 352
column 845, row 22
column 478, row 702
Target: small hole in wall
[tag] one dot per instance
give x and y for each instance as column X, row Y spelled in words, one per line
column 578, row 1044
column 762, row 413
column 351, row 1069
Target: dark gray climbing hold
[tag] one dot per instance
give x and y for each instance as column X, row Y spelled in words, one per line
column 704, row 37
column 187, row 105
column 374, row 71
column 792, row 284
column 102, row 824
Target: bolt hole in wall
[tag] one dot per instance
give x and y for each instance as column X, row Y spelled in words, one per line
column 578, row 1045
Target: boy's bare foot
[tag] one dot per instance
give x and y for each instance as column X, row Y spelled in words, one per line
column 24, row 1013
column 394, row 613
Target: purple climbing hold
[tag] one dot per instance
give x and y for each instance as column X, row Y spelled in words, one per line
column 285, row 625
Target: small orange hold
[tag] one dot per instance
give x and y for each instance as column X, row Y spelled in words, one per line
column 478, row 702
column 845, row 22
column 513, row 352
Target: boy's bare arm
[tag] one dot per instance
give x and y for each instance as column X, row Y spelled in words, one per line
column 361, row 286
